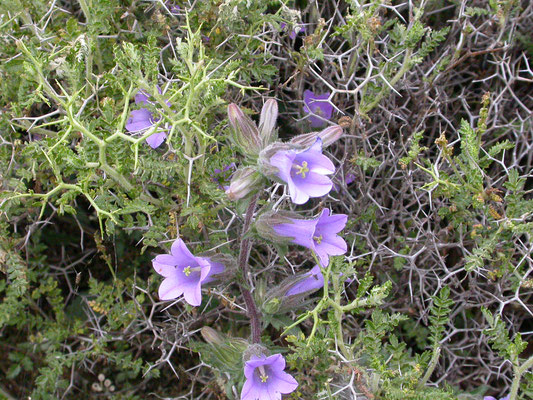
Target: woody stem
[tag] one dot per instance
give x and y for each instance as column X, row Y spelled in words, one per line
column 244, row 255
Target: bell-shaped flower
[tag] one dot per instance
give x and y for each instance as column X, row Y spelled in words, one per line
column 304, row 172
column 143, row 119
column 266, row 378
column 319, row 108
column 319, row 234
column 184, row 273
column 493, row 398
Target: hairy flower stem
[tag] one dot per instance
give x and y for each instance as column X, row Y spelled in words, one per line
column 244, row 255
column 518, row 372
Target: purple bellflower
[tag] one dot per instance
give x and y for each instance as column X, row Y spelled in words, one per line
column 304, row 172
column 266, row 379
column 314, row 281
column 319, row 107
column 184, row 273
column 494, row 398
column 319, row 234
column 143, row 118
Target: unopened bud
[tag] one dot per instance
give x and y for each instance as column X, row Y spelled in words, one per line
column 244, row 182
column 267, row 121
column 221, row 351
column 245, row 133
column 329, row 136
column 211, row 336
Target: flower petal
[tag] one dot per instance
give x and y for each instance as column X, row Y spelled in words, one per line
column 164, row 264
column 156, row 139
column 192, row 292
column 139, row 120
column 334, row 245
column 313, row 185
column 301, row 231
column 283, row 382
column 331, row 224
column 283, row 161
column 182, row 254
column 170, row 288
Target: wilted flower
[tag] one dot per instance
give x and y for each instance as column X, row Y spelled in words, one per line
column 266, row 379
column 493, row 398
column 319, row 107
column 328, row 135
column 143, row 119
column 314, row 281
column 184, row 273
column 304, row 172
column 319, row 234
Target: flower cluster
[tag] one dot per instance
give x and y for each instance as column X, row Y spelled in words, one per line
column 300, row 165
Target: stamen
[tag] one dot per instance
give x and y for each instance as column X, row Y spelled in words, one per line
column 188, row 270
column 262, row 374
column 302, row 169
column 318, row 239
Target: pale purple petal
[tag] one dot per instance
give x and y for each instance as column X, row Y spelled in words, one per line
column 314, row 281
column 215, row 269
column 489, row 398
column 297, row 196
column 141, row 97
column 249, row 391
column 139, row 120
column 156, row 139
column 332, row 244
column 193, row 293
column 170, row 288
column 318, row 105
column 285, row 383
column 313, row 185
column 300, row 230
column 328, row 225
column 180, row 251
column 283, row 161
column 165, row 264
column 317, row 163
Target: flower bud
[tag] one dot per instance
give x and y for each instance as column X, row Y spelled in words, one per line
column 245, row 133
column 267, row 121
column 329, row 136
column 221, row 351
column 245, row 181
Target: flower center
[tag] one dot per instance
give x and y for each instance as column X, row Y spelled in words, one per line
column 302, row 169
column 318, row 239
column 188, row 270
column 263, row 376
